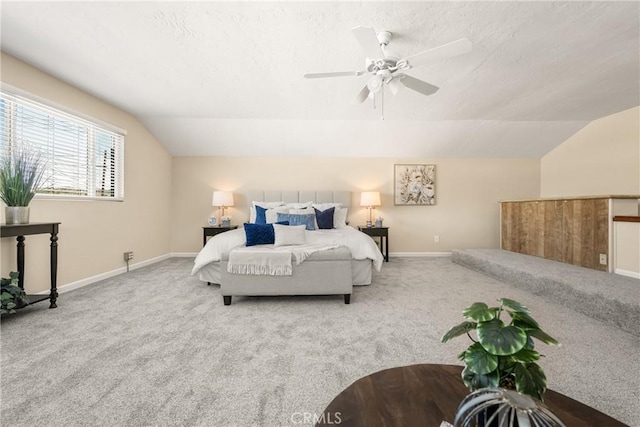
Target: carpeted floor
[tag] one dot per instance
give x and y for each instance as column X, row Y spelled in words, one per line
column 609, row 297
column 155, row 347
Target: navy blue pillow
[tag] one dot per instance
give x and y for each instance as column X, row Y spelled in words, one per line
column 260, row 234
column 261, row 215
column 325, row 218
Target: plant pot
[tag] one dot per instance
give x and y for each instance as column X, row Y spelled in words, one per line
column 16, row 214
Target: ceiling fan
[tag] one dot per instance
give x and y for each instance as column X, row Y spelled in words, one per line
column 386, row 68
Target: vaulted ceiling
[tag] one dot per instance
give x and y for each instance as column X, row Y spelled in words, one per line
column 226, row 78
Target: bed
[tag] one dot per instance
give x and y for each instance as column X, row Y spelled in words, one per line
column 364, row 253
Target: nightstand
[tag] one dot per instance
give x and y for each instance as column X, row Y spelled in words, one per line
column 212, row 231
column 383, row 234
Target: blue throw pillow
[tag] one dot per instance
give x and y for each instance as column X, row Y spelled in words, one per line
column 325, row 218
column 299, row 219
column 259, row 234
column 261, row 215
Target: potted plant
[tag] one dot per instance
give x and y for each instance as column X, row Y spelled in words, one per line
column 21, row 174
column 12, row 296
column 502, row 355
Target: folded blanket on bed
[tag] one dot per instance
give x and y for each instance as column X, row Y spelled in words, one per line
column 302, row 252
column 259, row 260
column 267, row 260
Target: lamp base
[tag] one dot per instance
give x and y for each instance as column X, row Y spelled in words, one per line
column 369, row 224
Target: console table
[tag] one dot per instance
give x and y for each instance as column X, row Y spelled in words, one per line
column 21, row 230
column 426, row 395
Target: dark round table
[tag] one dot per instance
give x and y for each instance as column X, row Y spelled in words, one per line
column 426, row 395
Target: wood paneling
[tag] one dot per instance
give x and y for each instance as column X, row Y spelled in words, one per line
column 573, row 231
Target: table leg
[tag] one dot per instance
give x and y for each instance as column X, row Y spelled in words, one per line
column 386, row 248
column 54, row 269
column 20, row 240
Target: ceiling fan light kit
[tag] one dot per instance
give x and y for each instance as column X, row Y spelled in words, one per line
column 386, row 67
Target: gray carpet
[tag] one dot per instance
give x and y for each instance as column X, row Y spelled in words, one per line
column 155, row 347
column 608, row 297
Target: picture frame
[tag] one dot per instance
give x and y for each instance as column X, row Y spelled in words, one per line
column 414, row 185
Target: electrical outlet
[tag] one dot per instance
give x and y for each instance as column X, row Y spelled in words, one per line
column 436, row 238
column 128, row 256
column 603, row 259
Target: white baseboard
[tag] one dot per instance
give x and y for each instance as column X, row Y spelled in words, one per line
column 93, row 279
column 633, row 274
column 419, row 254
column 98, row 277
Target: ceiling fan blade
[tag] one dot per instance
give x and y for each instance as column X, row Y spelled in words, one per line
column 334, row 74
column 361, row 96
column 448, row 50
column 419, row 85
column 368, row 39
column 395, row 85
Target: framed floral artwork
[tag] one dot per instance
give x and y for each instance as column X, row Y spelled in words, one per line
column 414, row 185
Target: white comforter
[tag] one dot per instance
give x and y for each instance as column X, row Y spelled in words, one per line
column 360, row 245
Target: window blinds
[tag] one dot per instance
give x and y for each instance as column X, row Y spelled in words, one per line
column 82, row 158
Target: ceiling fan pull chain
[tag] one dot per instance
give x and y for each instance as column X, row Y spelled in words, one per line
column 382, row 103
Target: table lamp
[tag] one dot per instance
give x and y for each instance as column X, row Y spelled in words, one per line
column 370, row 199
column 222, row 199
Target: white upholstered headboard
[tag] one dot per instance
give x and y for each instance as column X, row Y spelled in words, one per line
column 301, row 196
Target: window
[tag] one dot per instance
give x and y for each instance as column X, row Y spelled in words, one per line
column 84, row 158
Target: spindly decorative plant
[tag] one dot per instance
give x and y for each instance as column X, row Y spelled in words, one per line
column 12, row 296
column 21, row 174
column 502, row 355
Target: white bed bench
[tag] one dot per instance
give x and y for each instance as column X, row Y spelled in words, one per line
column 323, row 273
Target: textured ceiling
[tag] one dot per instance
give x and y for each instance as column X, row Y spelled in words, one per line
column 225, row 78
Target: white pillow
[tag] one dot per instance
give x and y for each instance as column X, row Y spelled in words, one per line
column 302, row 211
column 271, row 215
column 266, row 205
column 289, row 235
column 340, row 217
column 299, row 205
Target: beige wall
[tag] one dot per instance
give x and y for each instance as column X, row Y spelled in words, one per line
column 602, row 158
column 94, row 234
column 466, row 214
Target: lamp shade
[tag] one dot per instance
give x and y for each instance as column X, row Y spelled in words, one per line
column 370, row 198
column 222, row 198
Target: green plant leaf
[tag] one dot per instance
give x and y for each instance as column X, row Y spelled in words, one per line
column 499, row 339
column 530, row 379
column 530, row 344
column 479, row 312
column 475, row 381
column 479, row 361
column 523, row 320
column 21, row 173
column 457, row 330
column 526, row 356
column 543, row 336
column 514, row 305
